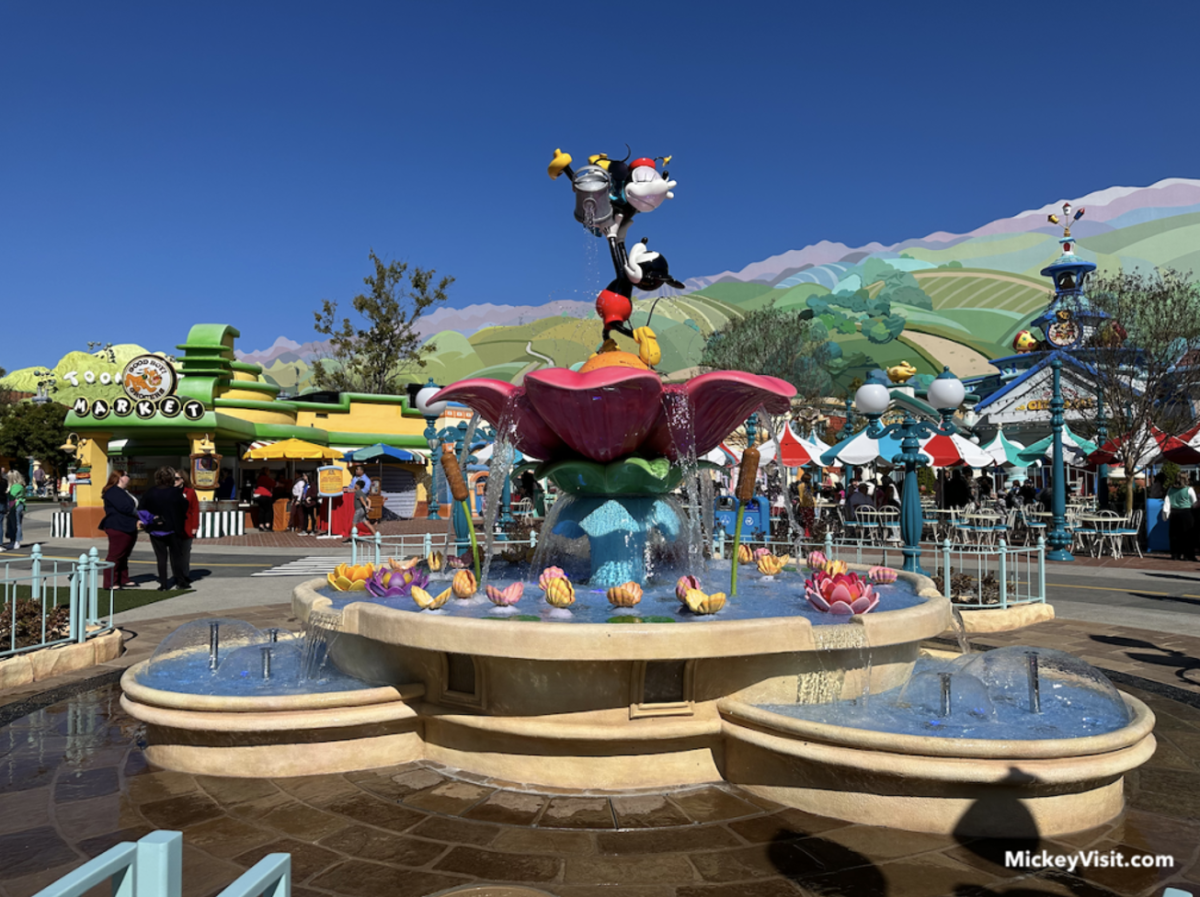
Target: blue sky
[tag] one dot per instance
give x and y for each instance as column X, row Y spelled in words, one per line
column 163, row 164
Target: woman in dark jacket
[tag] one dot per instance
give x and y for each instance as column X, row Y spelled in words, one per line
column 168, row 508
column 120, row 523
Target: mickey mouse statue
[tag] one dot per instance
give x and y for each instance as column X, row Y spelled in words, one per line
column 608, row 193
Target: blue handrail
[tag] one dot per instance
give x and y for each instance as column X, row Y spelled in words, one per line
column 153, row 867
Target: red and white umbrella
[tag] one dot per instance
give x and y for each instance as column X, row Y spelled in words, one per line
column 797, row 452
column 949, row 451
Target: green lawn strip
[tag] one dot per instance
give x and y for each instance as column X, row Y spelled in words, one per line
column 123, row 599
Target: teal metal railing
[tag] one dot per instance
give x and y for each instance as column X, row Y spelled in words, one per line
column 153, row 867
column 377, row 548
column 43, row 584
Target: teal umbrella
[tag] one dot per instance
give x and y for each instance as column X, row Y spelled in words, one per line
column 1004, row 451
column 1075, row 449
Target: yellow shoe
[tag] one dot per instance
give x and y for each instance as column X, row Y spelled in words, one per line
column 648, row 349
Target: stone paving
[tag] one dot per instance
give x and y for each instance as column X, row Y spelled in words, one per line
column 73, row 781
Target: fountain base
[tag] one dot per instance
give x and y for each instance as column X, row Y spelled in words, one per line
column 968, row 787
column 283, row 735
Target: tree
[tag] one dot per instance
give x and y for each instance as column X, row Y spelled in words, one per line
column 28, row 430
column 783, row 344
column 1147, row 358
column 379, row 357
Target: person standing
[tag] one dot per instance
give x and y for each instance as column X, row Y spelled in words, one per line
column 362, row 505
column 306, row 500
column 1178, row 507
column 164, row 513
column 16, row 508
column 264, row 497
column 190, row 526
column 120, row 523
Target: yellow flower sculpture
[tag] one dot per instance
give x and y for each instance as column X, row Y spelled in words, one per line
column 769, row 565
column 699, row 603
column 346, row 578
column 425, row 601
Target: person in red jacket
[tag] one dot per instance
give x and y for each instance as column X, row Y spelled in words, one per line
column 190, row 525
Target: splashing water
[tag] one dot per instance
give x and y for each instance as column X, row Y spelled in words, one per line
column 824, row 686
column 499, row 469
column 319, row 635
column 681, row 426
column 960, row 631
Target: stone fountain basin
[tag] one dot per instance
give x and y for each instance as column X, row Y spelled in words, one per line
column 960, row 786
column 613, row 705
column 274, row 735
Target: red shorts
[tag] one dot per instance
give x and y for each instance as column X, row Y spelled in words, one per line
column 613, row 308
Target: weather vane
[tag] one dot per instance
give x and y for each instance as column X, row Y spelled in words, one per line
column 1067, row 218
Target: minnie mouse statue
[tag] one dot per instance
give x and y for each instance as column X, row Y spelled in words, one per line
column 608, row 193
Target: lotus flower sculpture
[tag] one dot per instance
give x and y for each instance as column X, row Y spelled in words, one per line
column 425, row 601
column 769, row 565
column 685, row 585
column 699, row 603
column 347, row 578
column 506, row 597
column 844, row 593
column 609, row 413
column 625, row 595
column 401, row 566
column 548, row 574
column 833, row 568
column 559, row 592
column 816, row 560
column 881, row 575
column 464, row 584
column 396, row 583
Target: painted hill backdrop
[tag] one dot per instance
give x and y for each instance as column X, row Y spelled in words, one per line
column 954, row 299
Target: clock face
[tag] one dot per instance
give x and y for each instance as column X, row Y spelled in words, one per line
column 1063, row 333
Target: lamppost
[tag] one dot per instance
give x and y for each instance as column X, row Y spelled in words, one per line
column 431, row 411
column 1058, row 539
column 1102, row 438
column 945, row 394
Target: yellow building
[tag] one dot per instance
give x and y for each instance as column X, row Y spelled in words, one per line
column 223, row 406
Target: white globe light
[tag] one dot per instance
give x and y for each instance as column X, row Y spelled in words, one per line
column 428, row 409
column 872, row 398
column 946, row 391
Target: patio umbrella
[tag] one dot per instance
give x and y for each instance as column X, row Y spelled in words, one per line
column 947, row 451
column 797, row 452
column 1076, row 449
column 292, row 450
column 861, row 449
column 1151, row 439
column 820, row 444
column 1004, row 452
column 381, row 452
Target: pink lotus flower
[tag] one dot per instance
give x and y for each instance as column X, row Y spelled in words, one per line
column 506, row 597
column 844, row 593
column 685, row 585
column 611, row 412
column 881, row 575
column 816, row 560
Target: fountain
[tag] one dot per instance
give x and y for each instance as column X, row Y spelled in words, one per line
column 613, row 662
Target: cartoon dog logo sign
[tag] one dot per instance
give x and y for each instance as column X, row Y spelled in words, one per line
column 148, row 378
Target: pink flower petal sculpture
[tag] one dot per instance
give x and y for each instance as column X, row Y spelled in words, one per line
column 844, row 593
column 507, row 596
column 612, row 412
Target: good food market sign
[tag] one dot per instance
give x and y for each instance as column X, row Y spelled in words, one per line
column 149, row 383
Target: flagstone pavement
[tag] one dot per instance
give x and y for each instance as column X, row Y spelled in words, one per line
column 74, row 781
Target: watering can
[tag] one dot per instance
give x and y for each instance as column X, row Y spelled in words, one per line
column 593, row 208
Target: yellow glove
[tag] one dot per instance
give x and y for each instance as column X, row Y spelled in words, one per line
column 648, row 349
column 560, row 161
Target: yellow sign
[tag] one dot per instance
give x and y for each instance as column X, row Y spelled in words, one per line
column 330, row 480
column 1068, row 405
column 205, row 471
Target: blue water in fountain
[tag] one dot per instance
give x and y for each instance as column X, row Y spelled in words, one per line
column 758, row 597
column 297, row 665
column 989, row 698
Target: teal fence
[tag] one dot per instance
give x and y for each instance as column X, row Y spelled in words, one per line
column 33, row 588
column 153, row 867
column 378, row 548
column 973, row 576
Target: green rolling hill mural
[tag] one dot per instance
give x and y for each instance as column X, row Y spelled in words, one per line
column 956, row 299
